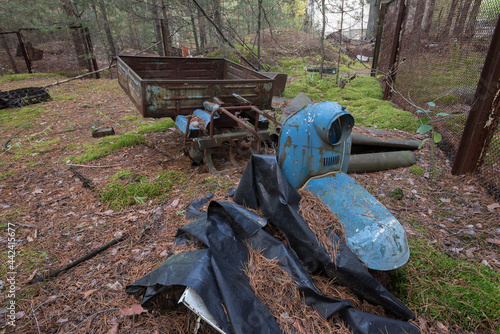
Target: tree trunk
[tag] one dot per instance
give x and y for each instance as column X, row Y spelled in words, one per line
column 258, row 30
column 157, row 26
column 471, row 23
column 371, row 29
column 193, row 25
column 341, row 40
column 428, row 17
column 202, row 27
column 217, row 12
column 167, row 39
column 459, row 25
column 419, row 15
column 449, row 19
column 89, row 48
column 417, row 21
column 135, row 41
column 107, row 29
column 322, row 38
column 76, row 35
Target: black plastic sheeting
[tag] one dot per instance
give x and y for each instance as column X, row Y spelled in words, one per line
column 22, row 97
column 264, row 186
column 216, row 273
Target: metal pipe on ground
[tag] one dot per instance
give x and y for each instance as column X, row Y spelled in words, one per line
column 404, row 144
column 374, row 162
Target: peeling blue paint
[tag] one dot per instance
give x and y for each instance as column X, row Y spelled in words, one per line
column 314, row 149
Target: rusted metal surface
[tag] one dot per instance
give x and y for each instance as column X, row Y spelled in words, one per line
column 279, row 82
column 170, row 86
column 215, row 109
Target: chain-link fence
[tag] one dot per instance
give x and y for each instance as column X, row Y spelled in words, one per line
column 440, row 52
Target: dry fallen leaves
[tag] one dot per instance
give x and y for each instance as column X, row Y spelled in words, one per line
column 135, row 309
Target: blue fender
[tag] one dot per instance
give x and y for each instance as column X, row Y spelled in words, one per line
column 372, row 231
column 314, row 150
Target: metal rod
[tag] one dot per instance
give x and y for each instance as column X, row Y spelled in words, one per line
column 266, row 115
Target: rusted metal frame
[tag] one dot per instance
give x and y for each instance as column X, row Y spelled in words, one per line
column 207, row 142
column 266, row 115
column 218, row 101
column 245, row 107
column 237, row 120
column 484, row 113
column 395, row 50
column 242, row 100
column 257, row 110
column 245, row 102
column 25, row 53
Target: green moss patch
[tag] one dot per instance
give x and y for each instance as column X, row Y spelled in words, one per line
column 19, row 117
column 158, row 126
column 362, row 97
column 417, row 170
column 24, row 76
column 65, row 97
column 7, row 174
column 123, row 174
column 105, row 145
column 119, row 195
column 438, row 286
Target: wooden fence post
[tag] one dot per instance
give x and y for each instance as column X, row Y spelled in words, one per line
column 95, row 69
column 25, row 53
column 484, row 113
column 395, row 50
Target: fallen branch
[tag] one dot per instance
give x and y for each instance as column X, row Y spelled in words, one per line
column 6, row 145
column 80, row 260
column 86, row 182
column 81, row 76
column 91, row 166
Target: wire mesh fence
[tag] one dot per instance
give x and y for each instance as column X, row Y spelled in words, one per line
column 441, row 52
column 49, row 51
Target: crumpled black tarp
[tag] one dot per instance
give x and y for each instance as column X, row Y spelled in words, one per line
column 217, row 275
column 264, row 186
